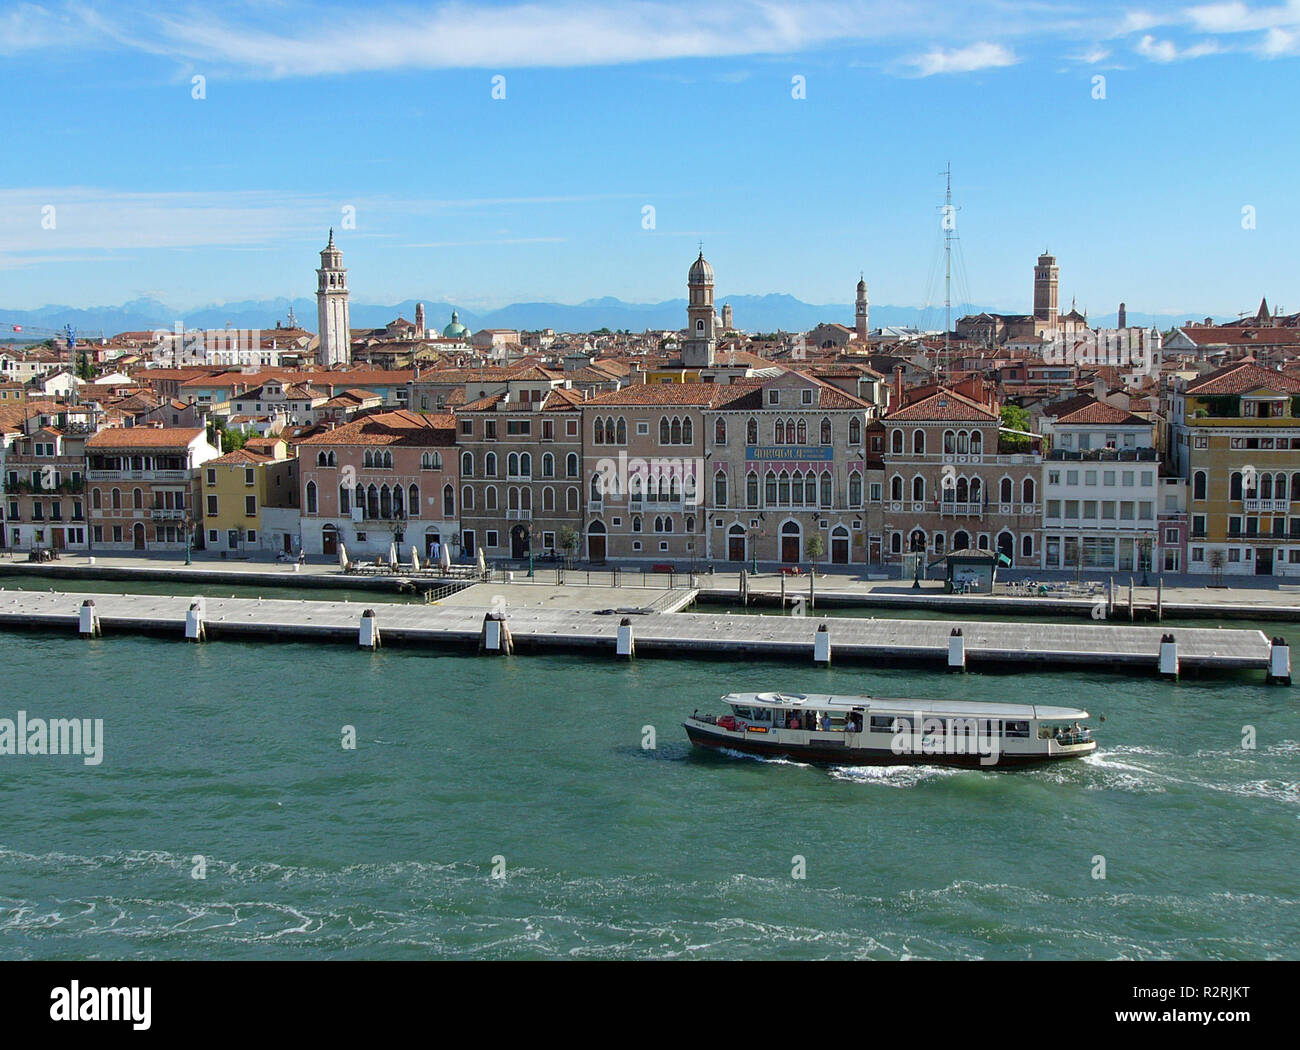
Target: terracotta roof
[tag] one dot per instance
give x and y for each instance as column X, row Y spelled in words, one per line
column 1241, row 378
column 239, row 457
column 390, row 428
column 942, row 405
column 1087, row 409
column 144, row 437
column 704, row 395
column 1214, row 335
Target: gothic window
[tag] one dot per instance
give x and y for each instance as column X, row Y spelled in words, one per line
column 448, row 502
column 855, row 431
column 826, row 432
column 751, row 432
column 720, row 489
column 751, row 489
column 311, row 497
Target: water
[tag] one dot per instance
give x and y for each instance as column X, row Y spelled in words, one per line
column 232, row 752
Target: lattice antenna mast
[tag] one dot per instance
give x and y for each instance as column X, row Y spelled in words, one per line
column 949, row 226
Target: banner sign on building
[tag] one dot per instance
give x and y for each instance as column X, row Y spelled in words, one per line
column 790, row 453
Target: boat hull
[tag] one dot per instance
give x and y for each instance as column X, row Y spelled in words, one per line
column 863, row 756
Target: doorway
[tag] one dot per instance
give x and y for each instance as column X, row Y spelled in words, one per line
column 790, row 545
column 736, row 543
column 329, row 540
column 519, row 542
column 137, row 536
column 1263, row 561
column 596, row 542
column 840, row 546
column 56, row 539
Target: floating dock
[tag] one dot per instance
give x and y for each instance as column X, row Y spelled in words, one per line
column 953, row 644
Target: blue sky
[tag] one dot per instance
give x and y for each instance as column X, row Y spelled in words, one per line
column 685, row 107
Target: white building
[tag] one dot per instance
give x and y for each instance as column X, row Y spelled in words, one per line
column 1101, row 488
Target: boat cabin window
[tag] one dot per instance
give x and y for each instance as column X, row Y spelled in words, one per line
column 890, row 724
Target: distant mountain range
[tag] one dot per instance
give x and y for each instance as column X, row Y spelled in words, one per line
column 752, row 313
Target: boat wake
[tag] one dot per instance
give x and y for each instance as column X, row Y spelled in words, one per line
column 893, row 776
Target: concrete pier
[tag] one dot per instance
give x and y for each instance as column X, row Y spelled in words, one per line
column 921, row 642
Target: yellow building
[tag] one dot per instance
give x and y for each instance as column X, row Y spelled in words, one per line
column 1235, row 437
column 235, row 489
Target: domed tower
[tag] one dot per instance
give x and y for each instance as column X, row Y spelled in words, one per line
column 860, row 310
column 419, row 320
column 333, row 323
column 701, row 340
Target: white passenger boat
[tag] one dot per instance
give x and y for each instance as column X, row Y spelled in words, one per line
column 868, row 730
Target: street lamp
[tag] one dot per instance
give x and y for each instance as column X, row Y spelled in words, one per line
column 189, row 537
column 1144, row 550
column 528, row 539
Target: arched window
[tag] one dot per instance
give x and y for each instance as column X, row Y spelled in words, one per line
column 976, row 443
column 137, row 499
column 448, row 502
column 688, row 432
column 803, row 432
column 620, row 431
column 345, row 500
column 596, row 486
column 975, row 490
column 571, row 465
column 751, row 489
column 1295, row 488
column 1234, row 485
column 360, row 499
column 826, row 489
column 855, row 431
column 949, row 443
column 321, row 459
column 548, row 465
column 783, row 489
column 368, row 459
column 466, row 464
column 548, row 499
column 918, row 488
column 512, row 465
column 413, row 494
column 1027, row 491
column 855, row 489
column 690, row 522
column 720, row 431
column 1027, row 545
column 780, row 432
column 1005, row 493
column 571, row 498
column 896, row 543
column 896, row 441
column 751, row 432
column 525, row 465
column 96, row 501
column 374, row 506
column 825, row 432
column 896, row 487
column 490, row 465
column 769, row 489
column 720, row 489
column 598, row 437
column 636, row 523
column 665, row 431
column 311, row 497
column 963, row 443
column 960, row 540
column 676, row 431
column 466, row 498
column 399, row 502
column 918, row 442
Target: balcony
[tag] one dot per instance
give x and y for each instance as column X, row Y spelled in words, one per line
column 166, row 514
column 1267, row 506
column 968, row 509
column 519, row 515
column 138, row 475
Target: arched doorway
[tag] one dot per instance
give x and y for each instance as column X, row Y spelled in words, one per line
column 960, row 540
column 432, row 543
column 917, row 540
column 596, row 541
column 839, row 545
column 519, row 541
column 1007, row 546
column 329, row 540
column 736, row 543
column 791, row 536
column 137, row 536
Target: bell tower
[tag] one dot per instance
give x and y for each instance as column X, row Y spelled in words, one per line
column 1046, row 279
column 700, row 346
column 332, row 318
column 861, row 317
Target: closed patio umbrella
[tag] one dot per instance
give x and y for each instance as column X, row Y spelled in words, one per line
column 415, row 559
column 444, row 559
column 392, row 554
column 343, row 557
column 482, row 562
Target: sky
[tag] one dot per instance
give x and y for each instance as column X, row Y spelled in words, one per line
column 517, row 152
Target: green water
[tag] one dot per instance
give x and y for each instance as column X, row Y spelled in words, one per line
column 232, row 751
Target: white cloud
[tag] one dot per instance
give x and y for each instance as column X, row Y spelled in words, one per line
column 1237, row 17
column 1168, row 51
column 963, row 60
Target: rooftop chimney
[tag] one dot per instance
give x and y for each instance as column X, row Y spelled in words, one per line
column 898, row 385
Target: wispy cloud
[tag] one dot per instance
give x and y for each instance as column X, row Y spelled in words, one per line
column 1168, row 51
column 963, row 59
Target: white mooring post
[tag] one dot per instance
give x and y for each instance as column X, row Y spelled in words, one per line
column 495, row 638
column 194, row 623
column 88, row 619
column 822, row 646
column 368, row 635
column 956, row 651
column 626, row 644
column 1168, row 656
column 1279, row 662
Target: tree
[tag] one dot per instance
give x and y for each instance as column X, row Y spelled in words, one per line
column 1014, row 418
column 816, row 546
column 567, row 539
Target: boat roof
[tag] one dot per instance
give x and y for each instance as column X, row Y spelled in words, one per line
column 905, row 705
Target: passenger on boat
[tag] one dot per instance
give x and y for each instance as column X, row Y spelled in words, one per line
column 826, row 722
column 793, row 722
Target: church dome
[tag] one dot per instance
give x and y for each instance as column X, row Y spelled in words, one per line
column 701, row 272
column 862, row 286
column 455, row 330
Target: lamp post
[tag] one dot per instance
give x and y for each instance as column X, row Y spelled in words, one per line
column 189, row 537
column 1144, row 551
column 528, row 538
